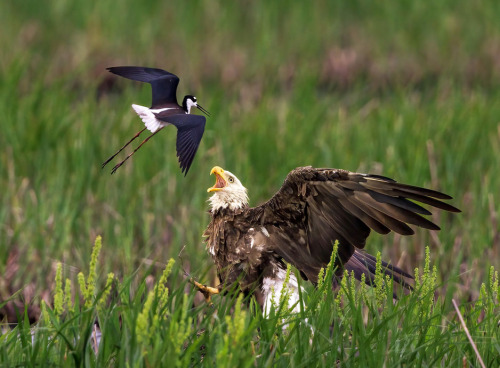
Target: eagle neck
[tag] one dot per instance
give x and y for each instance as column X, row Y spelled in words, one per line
column 231, row 201
column 227, row 211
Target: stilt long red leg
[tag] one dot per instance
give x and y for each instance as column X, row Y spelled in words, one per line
column 121, row 149
column 126, row 158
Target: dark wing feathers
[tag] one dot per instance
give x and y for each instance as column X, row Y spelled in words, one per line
column 322, row 227
column 351, row 228
column 392, row 223
column 164, row 84
column 424, row 199
column 371, row 262
column 363, row 263
column 333, row 204
column 376, row 182
column 395, row 212
column 371, row 222
column 140, row 73
column 190, row 129
column 399, row 202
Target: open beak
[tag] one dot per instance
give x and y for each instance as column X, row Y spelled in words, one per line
column 220, row 181
column 202, row 109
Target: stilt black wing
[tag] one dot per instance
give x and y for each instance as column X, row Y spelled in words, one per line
column 190, row 129
column 164, row 84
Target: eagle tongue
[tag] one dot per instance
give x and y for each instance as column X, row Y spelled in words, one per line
column 219, row 182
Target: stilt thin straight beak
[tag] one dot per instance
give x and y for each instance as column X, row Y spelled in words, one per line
column 202, row 109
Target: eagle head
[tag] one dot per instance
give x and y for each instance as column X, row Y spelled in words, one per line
column 228, row 191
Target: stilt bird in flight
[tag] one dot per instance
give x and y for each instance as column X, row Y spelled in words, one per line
column 300, row 223
column 164, row 111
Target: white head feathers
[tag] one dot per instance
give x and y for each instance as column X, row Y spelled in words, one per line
column 228, row 191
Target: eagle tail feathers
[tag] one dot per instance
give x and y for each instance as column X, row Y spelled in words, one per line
column 363, row 263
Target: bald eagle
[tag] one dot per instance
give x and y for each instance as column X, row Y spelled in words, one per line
column 300, row 223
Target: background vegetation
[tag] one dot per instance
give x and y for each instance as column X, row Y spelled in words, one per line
column 404, row 89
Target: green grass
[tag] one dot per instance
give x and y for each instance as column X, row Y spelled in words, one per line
column 357, row 326
column 404, row 90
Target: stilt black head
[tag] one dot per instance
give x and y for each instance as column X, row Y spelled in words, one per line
column 190, row 101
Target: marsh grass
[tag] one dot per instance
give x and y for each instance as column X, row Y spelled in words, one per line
column 159, row 325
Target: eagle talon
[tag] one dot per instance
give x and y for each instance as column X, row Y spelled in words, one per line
column 207, row 291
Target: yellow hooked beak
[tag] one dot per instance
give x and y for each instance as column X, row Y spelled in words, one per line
column 220, row 181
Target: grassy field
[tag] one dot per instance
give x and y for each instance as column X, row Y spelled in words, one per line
column 407, row 90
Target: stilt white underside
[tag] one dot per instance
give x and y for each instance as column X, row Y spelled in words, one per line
column 147, row 116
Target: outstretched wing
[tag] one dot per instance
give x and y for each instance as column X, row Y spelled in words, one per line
column 164, row 84
column 315, row 207
column 190, row 129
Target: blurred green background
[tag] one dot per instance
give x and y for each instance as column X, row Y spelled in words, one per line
column 404, row 89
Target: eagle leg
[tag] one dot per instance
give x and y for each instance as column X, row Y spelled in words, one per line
column 207, row 291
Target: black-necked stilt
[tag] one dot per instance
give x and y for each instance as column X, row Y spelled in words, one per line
column 164, row 111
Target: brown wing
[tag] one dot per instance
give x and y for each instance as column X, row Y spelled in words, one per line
column 315, row 207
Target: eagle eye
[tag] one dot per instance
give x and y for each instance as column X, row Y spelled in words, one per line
column 231, row 180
